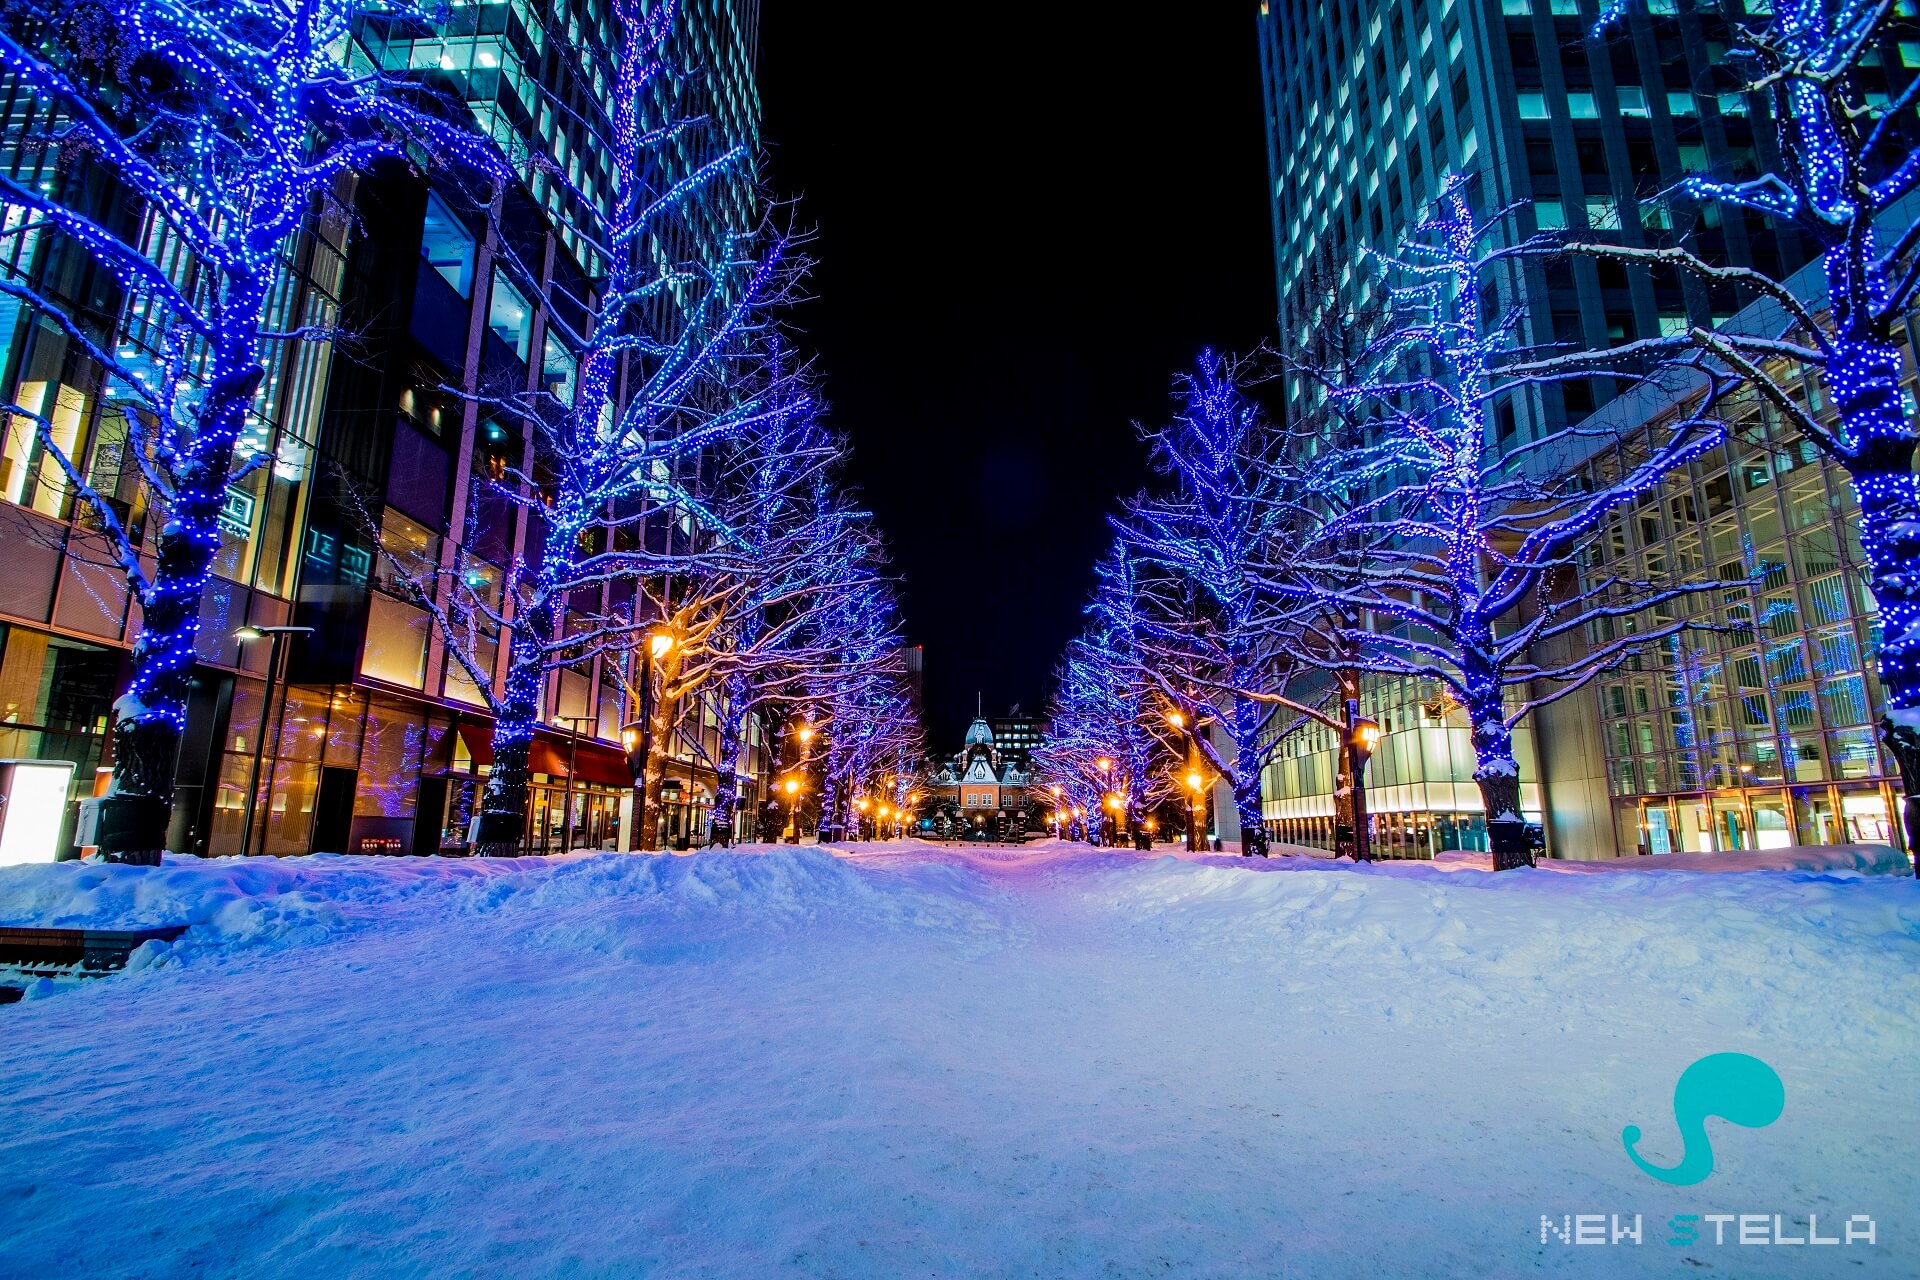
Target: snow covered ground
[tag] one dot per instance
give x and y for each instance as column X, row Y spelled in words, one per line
column 909, row 1061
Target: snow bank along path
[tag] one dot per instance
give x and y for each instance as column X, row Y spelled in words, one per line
column 908, row 1061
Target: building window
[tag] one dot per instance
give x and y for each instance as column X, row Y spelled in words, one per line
column 448, row 246
column 509, row 316
column 1533, row 106
column 559, row 368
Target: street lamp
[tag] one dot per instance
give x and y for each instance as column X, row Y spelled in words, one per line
column 636, row 736
column 1195, row 785
column 277, row 637
column 1362, row 739
column 792, row 787
column 1178, row 721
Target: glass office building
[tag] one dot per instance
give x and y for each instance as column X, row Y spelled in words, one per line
column 378, row 741
column 1757, row 733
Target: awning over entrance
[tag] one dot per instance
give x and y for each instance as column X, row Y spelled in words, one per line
column 594, row 761
column 479, row 742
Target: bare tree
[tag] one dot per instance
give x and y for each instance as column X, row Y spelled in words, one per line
column 182, row 147
column 1848, row 175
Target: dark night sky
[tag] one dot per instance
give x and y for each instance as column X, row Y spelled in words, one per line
column 1027, row 219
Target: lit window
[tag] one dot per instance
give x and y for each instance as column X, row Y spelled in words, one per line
column 509, row 316
column 1633, row 100
column 1681, row 103
column 1549, row 215
column 1733, row 104
column 559, row 368
column 448, row 246
column 1581, row 106
column 1533, row 106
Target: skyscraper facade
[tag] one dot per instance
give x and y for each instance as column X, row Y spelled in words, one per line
column 1727, row 744
column 374, row 740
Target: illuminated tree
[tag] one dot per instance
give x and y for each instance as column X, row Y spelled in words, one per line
column 864, row 709
column 1474, row 573
column 800, row 552
column 613, row 556
column 1199, row 548
column 182, row 148
column 1101, row 705
column 1849, row 170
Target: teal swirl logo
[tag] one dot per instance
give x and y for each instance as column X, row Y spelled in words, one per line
column 1732, row 1086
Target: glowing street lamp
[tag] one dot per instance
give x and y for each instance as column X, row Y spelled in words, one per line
column 791, row 785
column 1196, row 784
column 1178, row 721
column 1362, row 738
column 636, row 737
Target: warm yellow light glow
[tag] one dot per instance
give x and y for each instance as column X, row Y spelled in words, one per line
column 1105, row 763
column 660, row 644
column 806, row 733
column 1056, row 788
column 1113, row 803
column 630, row 737
column 885, row 811
column 792, row 785
column 1195, row 781
column 861, row 804
column 1177, row 720
column 913, row 797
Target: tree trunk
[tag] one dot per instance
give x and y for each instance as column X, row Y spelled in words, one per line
column 150, row 717
column 726, row 785
column 1866, row 392
column 829, row 830
column 503, row 805
column 1496, row 770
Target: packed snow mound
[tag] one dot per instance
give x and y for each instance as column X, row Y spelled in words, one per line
column 1867, row 859
column 905, row 1060
column 1787, row 937
column 234, row 903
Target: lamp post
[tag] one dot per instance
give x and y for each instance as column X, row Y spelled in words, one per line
column 1195, row 785
column 276, row 637
column 573, row 724
column 792, row 787
column 1362, row 738
column 860, row 822
column 636, row 736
